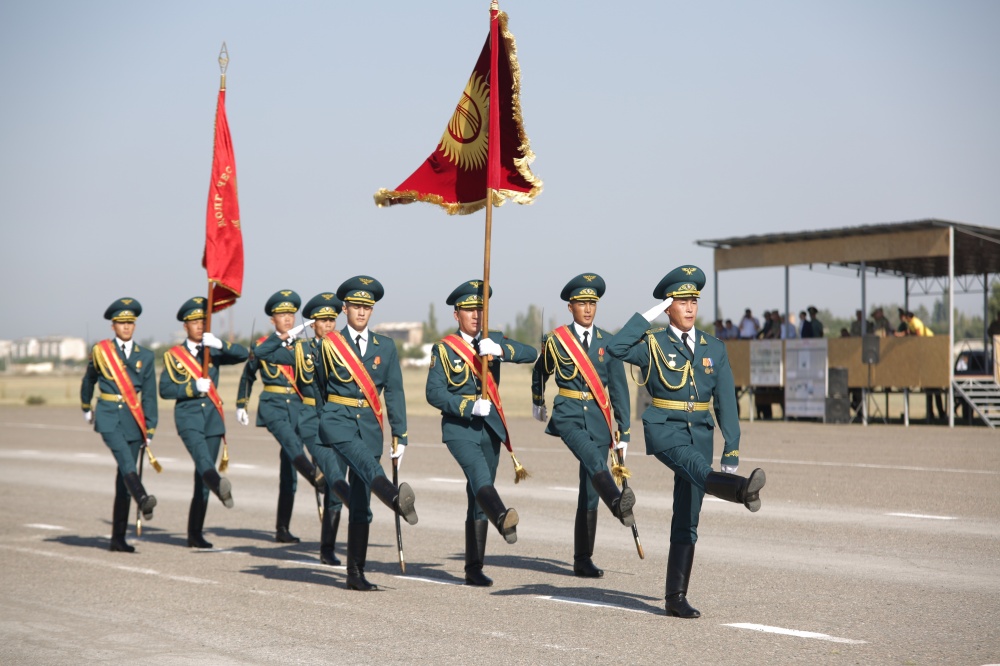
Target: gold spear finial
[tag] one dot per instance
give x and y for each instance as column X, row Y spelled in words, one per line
column 223, row 65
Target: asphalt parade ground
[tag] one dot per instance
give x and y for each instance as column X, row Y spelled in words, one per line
column 875, row 545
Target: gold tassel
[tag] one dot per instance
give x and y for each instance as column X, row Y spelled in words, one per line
column 224, row 463
column 152, row 460
column 520, row 474
column 620, row 472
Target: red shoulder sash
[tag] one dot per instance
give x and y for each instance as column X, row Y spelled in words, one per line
column 109, row 358
column 458, row 345
column 345, row 352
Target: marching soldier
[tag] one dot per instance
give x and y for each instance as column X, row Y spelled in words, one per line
column 357, row 365
column 198, row 413
column 581, row 413
column 685, row 370
column 472, row 421
column 126, row 411
column 278, row 409
column 322, row 310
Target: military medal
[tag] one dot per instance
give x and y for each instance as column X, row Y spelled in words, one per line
column 138, row 365
column 600, row 355
column 707, row 364
column 672, row 363
column 378, row 359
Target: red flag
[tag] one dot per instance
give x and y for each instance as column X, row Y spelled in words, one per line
column 223, row 256
column 458, row 172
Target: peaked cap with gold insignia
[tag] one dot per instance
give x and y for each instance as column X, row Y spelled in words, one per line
column 584, row 287
column 682, row 282
column 193, row 308
column 323, row 306
column 124, row 310
column 468, row 295
column 285, row 300
column 361, row 289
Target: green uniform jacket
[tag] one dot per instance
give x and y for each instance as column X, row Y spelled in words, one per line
column 110, row 416
column 342, row 423
column 193, row 410
column 452, row 388
column 270, row 406
column 712, row 379
column 303, row 357
column 570, row 413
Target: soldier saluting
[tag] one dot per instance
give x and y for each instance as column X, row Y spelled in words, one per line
column 685, row 371
column 591, row 383
column 198, row 413
column 472, row 422
column 126, row 413
column 321, row 313
column 278, row 410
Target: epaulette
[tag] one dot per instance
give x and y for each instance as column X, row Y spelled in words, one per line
column 656, row 330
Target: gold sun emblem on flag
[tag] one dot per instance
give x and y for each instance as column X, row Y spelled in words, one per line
column 464, row 141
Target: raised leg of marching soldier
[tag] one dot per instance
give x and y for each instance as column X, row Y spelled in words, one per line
column 479, row 463
column 337, row 492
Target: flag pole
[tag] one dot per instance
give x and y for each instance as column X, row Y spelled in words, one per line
column 492, row 169
column 206, row 352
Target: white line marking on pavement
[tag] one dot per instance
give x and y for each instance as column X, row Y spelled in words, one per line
column 584, row 602
column 99, row 563
column 84, row 455
column 564, row 489
column 46, row 426
column 242, row 466
column 436, row 581
column 922, row 515
column 793, row 632
column 907, row 468
column 43, row 526
column 439, row 479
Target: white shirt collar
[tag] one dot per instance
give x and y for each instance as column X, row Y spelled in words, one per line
column 679, row 333
column 468, row 338
column 192, row 345
column 580, row 331
column 354, row 334
column 128, row 345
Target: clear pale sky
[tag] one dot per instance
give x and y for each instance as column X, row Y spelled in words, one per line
column 655, row 124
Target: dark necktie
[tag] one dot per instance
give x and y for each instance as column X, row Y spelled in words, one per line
column 197, row 351
column 586, row 341
column 475, row 345
column 124, row 353
column 684, row 339
column 357, row 341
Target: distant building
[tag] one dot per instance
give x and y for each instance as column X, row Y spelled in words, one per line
column 409, row 333
column 52, row 348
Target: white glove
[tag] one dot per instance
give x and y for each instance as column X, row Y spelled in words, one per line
column 296, row 331
column 209, row 340
column 242, row 417
column 203, row 384
column 149, row 440
column 655, row 311
column 481, row 408
column 88, row 416
column 730, row 469
column 622, row 448
column 398, row 456
column 539, row 412
column 488, row 347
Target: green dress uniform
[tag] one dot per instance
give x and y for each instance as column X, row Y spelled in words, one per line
column 579, row 421
column 303, row 356
column 348, row 424
column 114, row 421
column 474, row 441
column 198, row 422
column 278, row 410
column 683, row 381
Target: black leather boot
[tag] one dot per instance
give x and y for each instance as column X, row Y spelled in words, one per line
column 219, row 485
column 583, row 545
column 342, row 490
column 400, row 500
column 619, row 501
column 286, row 502
column 475, row 551
column 357, row 551
column 679, row 562
column 145, row 502
column 735, row 488
column 504, row 519
column 119, row 518
column 328, row 538
column 196, row 521
column 309, row 471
